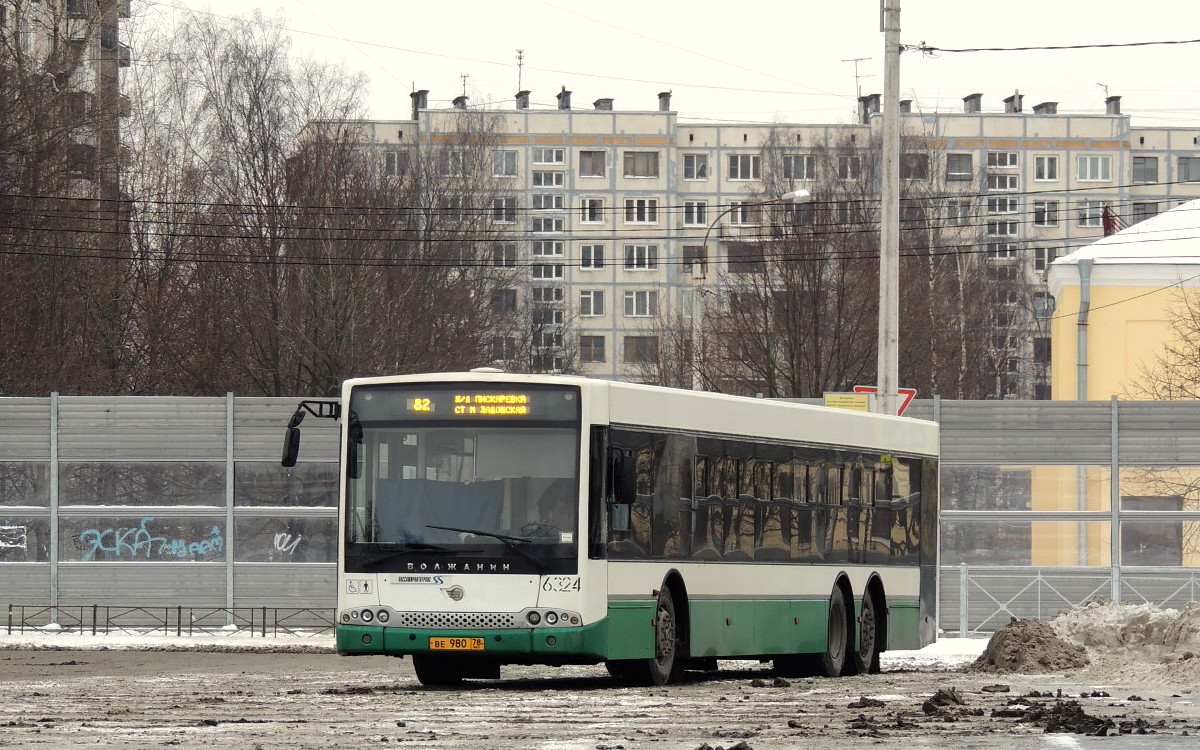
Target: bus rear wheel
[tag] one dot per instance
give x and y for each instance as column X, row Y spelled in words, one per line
column 659, row 669
column 865, row 659
column 436, row 671
column 837, row 636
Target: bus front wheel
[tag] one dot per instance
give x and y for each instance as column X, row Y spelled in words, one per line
column 658, row 669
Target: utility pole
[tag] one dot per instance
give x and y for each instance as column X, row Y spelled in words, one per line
column 889, row 214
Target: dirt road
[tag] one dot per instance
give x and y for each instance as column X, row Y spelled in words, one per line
column 189, row 699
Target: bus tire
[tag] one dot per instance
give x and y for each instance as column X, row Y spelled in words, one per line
column 837, row 637
column 865, row 658
column 665, row 664
column 436, row 671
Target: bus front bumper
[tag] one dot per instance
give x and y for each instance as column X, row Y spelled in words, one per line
column 588, row 643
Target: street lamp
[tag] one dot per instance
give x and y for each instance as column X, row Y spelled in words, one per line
column 700, row 272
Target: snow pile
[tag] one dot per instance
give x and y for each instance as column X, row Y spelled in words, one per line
column 1029, row 646
column 1132, row 629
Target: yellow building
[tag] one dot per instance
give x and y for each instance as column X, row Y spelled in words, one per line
column 1115, row 302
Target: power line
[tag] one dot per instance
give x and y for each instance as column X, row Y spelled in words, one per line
column 922, row 47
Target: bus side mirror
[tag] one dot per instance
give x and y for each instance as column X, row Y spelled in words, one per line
column 624, row 477
column 291, row 440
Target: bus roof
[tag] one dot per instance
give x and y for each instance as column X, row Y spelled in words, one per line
column 635, row 404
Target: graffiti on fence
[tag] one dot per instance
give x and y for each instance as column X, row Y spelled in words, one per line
column 141, row 541
column 286, row 543
column 14, row 537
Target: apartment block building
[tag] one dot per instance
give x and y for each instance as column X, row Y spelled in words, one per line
column 617, row 217
column 76, row 44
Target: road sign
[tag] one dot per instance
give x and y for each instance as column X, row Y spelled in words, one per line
column 907, row 395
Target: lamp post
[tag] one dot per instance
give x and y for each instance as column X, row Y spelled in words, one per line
column 700, row 272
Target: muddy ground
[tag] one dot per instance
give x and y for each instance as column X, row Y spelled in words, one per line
column 190, row 699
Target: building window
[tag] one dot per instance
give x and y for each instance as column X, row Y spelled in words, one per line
column 641, row 303
column 1000, row 183
column 641, row 163
column 504, row 300
column 591, row 163
column 1002, row 228
column 547, row 201
column 1189, row 169
column 1143, row 211
column 692, row 254
column 1090, row 214
column 504, row 255
column 548, row 155
column 591, row 348
column 849, row 167
column 1094, row 168
column 547, row 270
column 745, row 213
column 695, row 166
column 641, row 210
column 799, row 167
column 641, row 349
column 548, row 294
column 504, row 163
column 543, row 318
column 745, row 257
column 1045, row 168
column 548, row 248
column 958, row 167
column 504, row 210
column 914, row 166
column 1145, row 169
column 547, row 179
column 591, row 210
column 451, row 163
column 546, row 224
column 958, row 211
column 1045, row 213
column 641, row 257
column 695, row 212
column 1002, row 251
column 395, row 163
column 745, row 167
column 591, row 257
column 591, row 302
column 504, row 348
column 1043, row 257
column 1043, row 305
column 1002, row 159
column 1002, row 205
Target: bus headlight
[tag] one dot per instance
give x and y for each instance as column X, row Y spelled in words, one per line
column 383, row 616
column 534, row 618
column 367, row 615
column 551, row 618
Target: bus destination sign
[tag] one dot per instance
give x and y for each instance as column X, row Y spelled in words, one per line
column 448, row 405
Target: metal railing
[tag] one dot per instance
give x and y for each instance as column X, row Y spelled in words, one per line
column 107, row 619
column 983, row 599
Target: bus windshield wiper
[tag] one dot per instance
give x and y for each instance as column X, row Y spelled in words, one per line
column 512, row 542
column 410, row 548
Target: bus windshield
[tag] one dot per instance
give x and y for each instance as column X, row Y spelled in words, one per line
column 456, row 474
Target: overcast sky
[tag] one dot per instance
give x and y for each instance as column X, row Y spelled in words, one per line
column 751, row 60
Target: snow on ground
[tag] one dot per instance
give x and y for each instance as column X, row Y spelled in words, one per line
column 946, row 653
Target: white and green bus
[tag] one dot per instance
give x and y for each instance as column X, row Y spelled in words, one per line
column 492, row 519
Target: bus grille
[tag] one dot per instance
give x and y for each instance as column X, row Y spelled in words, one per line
column 455, row 620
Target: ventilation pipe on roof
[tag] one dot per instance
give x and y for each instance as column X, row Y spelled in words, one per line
column 605, row 105
column 420, row 101
column 973, row 103
column 1046, row 108
column 460, row 102
column 664, row 101
column 1012, row 104
column 523, row 99
column 867, row 105
column 1112, row 105
column 564, row 98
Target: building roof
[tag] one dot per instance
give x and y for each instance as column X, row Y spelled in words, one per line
column 1172, row 237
